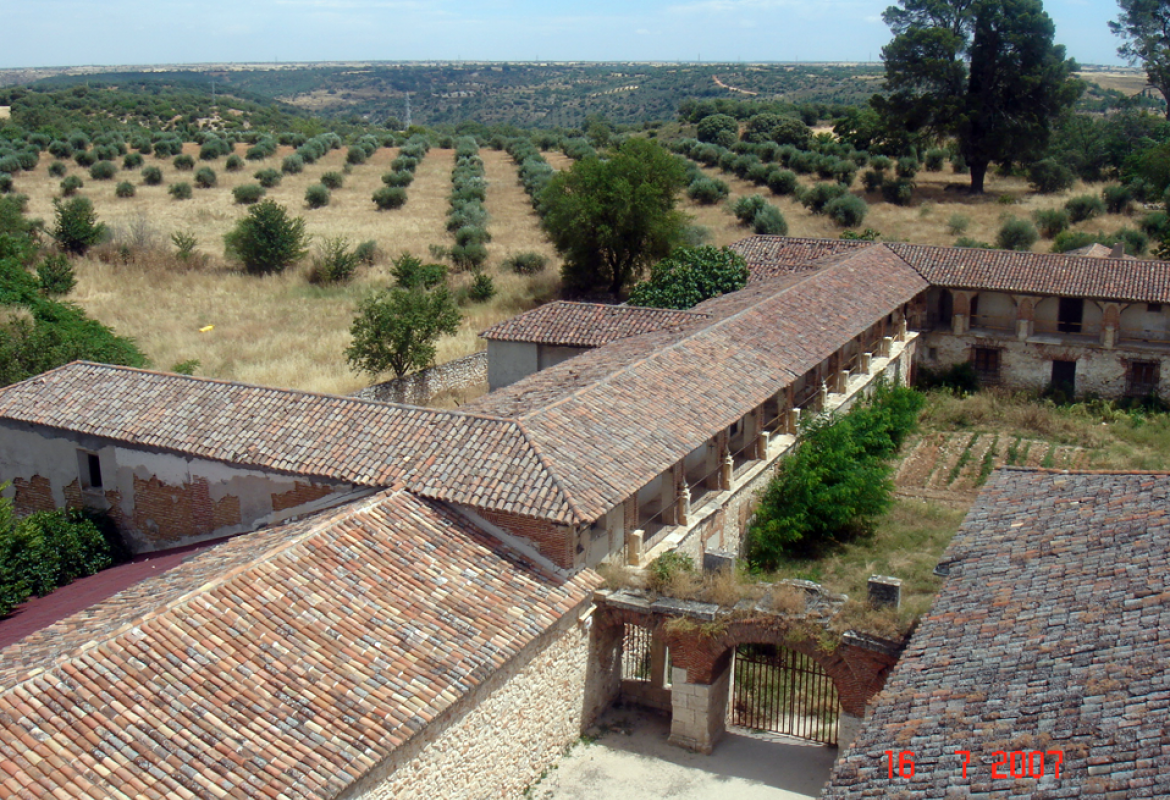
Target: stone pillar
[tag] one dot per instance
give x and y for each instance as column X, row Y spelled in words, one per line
column 887, row 346
column 842, row 382
column 762, row 444
column 634, row 542
column 726, row 471
column 657, row 659
column 1025, row 317
column 682, row 505
column 1110, row 324
column 823, row 396
column 848, row 726
column 699, row 711
column 793, row 421
column 884, row 591
column 866, row 363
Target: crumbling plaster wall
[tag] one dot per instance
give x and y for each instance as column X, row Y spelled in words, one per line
column 158, row 499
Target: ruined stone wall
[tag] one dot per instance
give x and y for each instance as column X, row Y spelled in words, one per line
column 1028, row 365
column 418, row 388
column 158, row 499
column 498, row 740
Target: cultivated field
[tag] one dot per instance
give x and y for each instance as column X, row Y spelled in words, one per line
column 280, row 331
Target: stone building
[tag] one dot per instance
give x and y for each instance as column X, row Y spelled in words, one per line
column 400, row 575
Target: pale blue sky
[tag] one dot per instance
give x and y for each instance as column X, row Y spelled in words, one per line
column 111, row 32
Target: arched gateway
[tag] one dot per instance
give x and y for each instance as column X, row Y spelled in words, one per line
column 678, row 657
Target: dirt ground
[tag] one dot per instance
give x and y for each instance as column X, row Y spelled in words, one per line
column 632, row 760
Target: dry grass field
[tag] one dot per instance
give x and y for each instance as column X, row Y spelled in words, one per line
column 280, row 330
column 1129, row 82
column 925, row 221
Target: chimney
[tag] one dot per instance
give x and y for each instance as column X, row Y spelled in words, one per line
column 1118, row 250
column 885, row 592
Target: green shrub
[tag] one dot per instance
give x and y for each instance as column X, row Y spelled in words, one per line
column 907, row 167
column 234, row 163
column 820, row 195
column 880, row 163
column 183, row 163
column 332, row 180
column 1084, row 207
column 768, row 221
column 205, row 177
column 317, row 196
column 662, row 570
column 267, row 240
column 872, row 180
column 847, row 210
column 292, row 164
column 390, row 197
column 900, row 192
column 180, row 191
column 55, row 276
column 132, row 161
column 248, row 193
column 57, row 169
column 482, row 288
column 85, row 158
column 974, row 244
column 1155, row 224
column 367, row 253
column 934, row 159
column 958, row 223
column 1051, row 221
column 471, row 256
column 745, row 208
column 707, row 191
column 690, row 275
column 410, row 272
column 5, row 183
column 47, row 550
column 124, row 189
column 268, row 178
column 782, row 181
column 1072, row 240
column 399, row 178
column 1016, row 234
column 76, row 228
column 526, row 263
column 1048, row 176
column 152, row 176
column 103, row 170
column 960, row 378
column 1117, row 198
column 185, row 243
column 333, row 262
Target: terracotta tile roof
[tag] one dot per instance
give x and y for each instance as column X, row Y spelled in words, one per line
column 586, row 324
column 1052, row 632
column 1037, row 273
column 1066, row 274
column 772, row 256
column 447, row 455
column 284, row 663
column 1094, row 250
column 612, row 419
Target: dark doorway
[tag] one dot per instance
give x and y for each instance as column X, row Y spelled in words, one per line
column 946, row 309
column 1064, row 377
column 1070, row 314
column 783, row 691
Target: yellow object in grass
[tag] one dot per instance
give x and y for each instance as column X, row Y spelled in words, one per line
column 206, row 328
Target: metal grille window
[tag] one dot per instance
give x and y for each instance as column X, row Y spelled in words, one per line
column 1141, row 378
column 986, row 362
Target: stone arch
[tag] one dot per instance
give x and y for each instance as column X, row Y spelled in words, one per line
column 858, row 672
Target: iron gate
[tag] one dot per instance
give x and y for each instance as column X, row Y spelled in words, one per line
column 783, row 691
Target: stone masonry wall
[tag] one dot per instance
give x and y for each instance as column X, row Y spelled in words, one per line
column 418, row 388
column 498, row 740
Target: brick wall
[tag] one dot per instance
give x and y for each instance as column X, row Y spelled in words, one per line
column 35, row 494
column 300, row 494
column 498, row 740
column 170, row 514
column 557, row 543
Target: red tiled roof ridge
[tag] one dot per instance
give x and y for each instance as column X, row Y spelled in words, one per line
column 314, row 524
column 552, row 473
column 572, row 323
column 686, row 337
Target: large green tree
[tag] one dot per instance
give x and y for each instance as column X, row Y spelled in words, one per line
column 610, row 217
column 691, row 275
column 985, row 72
column 396, row 329
column 267, row 240
column 1144, row 26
